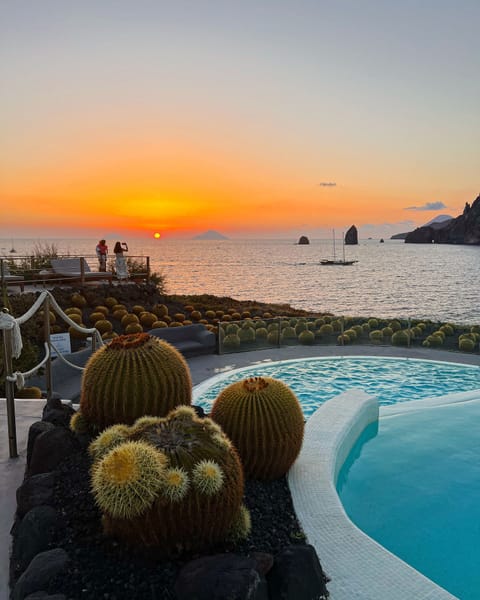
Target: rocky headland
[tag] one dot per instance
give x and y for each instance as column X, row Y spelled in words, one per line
column 464, row 229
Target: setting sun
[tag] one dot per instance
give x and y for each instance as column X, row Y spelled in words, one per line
column 157, row 236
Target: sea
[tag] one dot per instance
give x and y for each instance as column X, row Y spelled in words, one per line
column 390, row 279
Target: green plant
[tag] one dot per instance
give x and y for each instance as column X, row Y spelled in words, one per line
column 264, row 420
column 132, row 376
column 401, row 338
column 246, row 334
column 306, row 337
column 231, row 341
column 466, row 345
column 175, row 483
column 325, row 330
column 376, row 336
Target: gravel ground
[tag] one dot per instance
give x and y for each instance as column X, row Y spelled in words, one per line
column 102, row 568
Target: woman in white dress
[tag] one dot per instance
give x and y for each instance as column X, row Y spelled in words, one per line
column 120, row 261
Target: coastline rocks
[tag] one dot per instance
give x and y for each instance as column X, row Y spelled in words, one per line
column 420, row 235
column 351, row 237
column 303, row 240
column 464, row 229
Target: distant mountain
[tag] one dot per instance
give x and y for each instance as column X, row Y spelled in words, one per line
column 436, row 223
column 210, row 235
column 438, row 219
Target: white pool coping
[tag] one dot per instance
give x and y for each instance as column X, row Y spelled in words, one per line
column 359, row 568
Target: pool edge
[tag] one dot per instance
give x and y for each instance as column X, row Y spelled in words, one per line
column 358, row 566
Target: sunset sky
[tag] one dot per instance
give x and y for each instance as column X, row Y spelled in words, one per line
column 146, row 116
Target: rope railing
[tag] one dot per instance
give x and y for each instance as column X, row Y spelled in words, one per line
column 12, row 343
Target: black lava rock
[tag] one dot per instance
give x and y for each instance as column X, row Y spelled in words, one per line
column 39, row 572
column 221, row 576
column 36, row 490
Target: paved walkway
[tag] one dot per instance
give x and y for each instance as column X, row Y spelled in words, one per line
column 201, row 368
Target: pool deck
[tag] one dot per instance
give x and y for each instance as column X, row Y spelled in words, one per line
column 201, row 368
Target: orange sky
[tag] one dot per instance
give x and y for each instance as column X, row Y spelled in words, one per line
column 135, row 127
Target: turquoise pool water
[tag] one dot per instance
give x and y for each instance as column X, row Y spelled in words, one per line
column 415, row 488
column 391, row 380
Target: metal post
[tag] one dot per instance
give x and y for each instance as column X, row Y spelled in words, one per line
column 10, row 394
column 82, row 270
column 46, row 333
column 409, row 332
column 148, row 269
column 342, row 328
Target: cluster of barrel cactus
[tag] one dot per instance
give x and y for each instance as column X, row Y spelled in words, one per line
column 175, row 483
column 161, row 475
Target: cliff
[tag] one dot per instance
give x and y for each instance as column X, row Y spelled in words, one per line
column 464, row 229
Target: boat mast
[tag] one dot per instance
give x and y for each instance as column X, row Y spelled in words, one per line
column 343, row 238
column 333, row 230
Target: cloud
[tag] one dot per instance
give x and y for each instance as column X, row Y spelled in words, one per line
column 327, row 184
column 428, row 206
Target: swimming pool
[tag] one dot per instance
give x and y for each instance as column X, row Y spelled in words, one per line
column 412, row 495
column 414, row 487
column 391, row 380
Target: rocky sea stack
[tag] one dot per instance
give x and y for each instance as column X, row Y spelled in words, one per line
column 303, row 240
column 351, row 237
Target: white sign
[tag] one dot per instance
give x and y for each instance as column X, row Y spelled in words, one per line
column 61, row 342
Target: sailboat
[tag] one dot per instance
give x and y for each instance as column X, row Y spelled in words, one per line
column 13, row 248
column 338, row 261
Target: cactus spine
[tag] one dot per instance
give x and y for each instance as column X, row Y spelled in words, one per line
column 188, row 498
column 264, row 420
column 132, row 376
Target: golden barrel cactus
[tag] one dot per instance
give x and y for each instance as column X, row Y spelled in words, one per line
column 264, row 419
column 175, row 483
column 132, row 376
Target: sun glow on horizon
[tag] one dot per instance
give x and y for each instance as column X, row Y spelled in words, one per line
column 157, row 235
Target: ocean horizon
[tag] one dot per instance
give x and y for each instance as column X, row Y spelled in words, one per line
column 390, row 279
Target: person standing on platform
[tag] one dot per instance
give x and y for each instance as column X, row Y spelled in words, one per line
column 120, row 261
column 102, row 252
